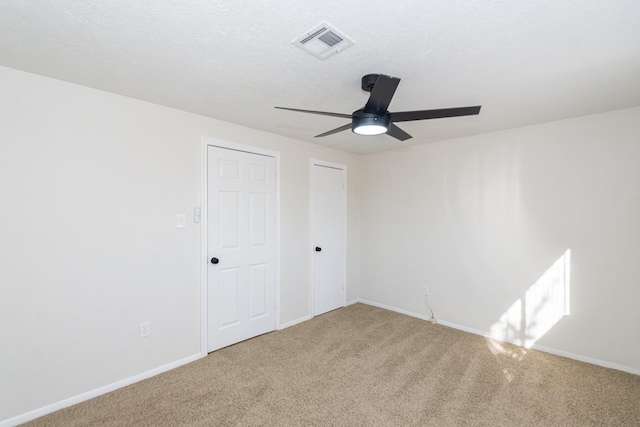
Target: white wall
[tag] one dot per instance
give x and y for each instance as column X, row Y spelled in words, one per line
column 91, row 183
column 481, row 219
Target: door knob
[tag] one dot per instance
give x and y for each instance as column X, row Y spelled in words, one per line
column 214, row 260
column 318, row 249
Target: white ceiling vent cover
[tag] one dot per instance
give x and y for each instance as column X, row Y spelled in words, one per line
column 323, row 41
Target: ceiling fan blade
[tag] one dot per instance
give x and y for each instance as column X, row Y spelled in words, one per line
column 397, row 133
column 323, row 113
column 336, row 130
column 406, row 116
column 381, row 94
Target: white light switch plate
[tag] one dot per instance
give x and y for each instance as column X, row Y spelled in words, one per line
column 181, row 221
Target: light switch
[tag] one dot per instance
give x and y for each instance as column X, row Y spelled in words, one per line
column 181, row 221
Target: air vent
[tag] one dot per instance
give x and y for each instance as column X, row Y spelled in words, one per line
column 323, row 41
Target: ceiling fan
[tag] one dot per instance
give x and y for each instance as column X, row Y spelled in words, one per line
column 375, row 119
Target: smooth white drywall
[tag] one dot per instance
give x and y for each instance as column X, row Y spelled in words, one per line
column 91, row 183
column 481, row 219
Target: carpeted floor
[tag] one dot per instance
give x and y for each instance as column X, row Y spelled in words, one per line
column 364, row 366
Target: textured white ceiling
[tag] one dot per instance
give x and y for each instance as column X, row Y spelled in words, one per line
column 524, row 61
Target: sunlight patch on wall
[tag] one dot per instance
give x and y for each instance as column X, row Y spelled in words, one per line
column 542, row 306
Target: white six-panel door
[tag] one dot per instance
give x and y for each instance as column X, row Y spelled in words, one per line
column 241, row 244
column 329, row 237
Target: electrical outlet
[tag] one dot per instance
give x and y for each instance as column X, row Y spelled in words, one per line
column 425, row 290
column 144, row 329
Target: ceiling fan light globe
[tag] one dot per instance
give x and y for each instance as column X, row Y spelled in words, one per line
column 370, row 130
column 369, row 124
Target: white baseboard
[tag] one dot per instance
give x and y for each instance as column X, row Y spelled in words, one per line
column 291, row 323
column 31, row 415
column 397, row 310
column 544, row 349
column 309, row 317
column 586, row 359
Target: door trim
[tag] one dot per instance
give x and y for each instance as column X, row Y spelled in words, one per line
column 343, row 168
column 207, row 142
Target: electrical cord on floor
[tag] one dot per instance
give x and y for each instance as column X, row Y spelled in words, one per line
column 432, row 319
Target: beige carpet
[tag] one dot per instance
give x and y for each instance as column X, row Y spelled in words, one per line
column 364, row 366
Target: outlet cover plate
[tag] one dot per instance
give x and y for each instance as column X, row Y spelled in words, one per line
column 144, row 329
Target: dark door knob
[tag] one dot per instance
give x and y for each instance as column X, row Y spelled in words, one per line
column 318, row 249
column 214, row 260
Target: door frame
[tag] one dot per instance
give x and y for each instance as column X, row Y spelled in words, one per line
column 207, row 142
column 343, row 168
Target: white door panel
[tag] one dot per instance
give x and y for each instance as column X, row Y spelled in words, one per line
column 242, row 237
column 329, row 235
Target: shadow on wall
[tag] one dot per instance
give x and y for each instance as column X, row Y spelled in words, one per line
column 542, row 306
